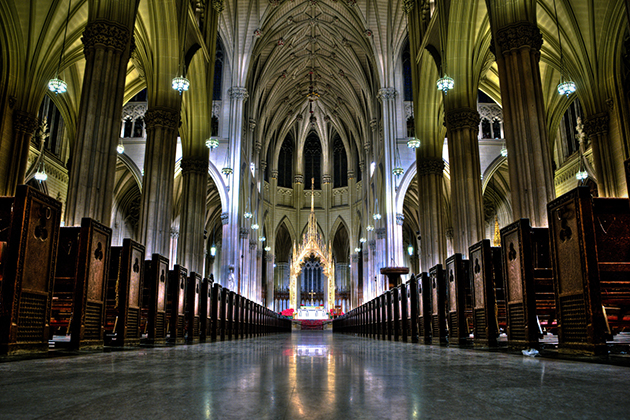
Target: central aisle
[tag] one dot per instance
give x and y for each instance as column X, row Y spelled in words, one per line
column 309, row 375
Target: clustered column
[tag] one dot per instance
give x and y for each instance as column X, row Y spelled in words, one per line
column 157, row 185
column 190, row 249
column 467, row 202
column 518, row 54
column 107, row 48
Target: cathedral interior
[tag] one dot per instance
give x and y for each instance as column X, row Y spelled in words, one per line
column 290, row 150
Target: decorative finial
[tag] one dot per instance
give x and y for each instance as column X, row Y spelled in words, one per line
column 312, row 195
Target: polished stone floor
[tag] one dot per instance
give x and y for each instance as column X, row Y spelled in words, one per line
column 310, row 375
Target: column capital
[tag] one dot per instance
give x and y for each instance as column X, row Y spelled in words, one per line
column 381, row 233
column 326, row 179
column 162, row 117
column 225, row 217
column 105, row 34
column 461, row 118
column 274, row 174
column 218, row 5
column 518, row 35
column 355, row 258
column 387, row 94
column 400, row 218
column 238, row 92
column 194, row 165
column 298, row 179
column 430, row 166
column 25, row 122
column 244, row 233
column 596, row 124
column 373, row 124
column 252, row 124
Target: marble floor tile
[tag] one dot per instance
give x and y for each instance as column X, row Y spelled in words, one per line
column 310, row 375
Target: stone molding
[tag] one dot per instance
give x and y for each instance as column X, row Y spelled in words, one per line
column 400, row 218
column 238, row 92
column 355, row 258
column 225, row 217
column 430, row 166
column 596, row 125
column 298, row 179
column 161, row 117
column 372, row 244
column 274, row 174
column 216, row 108
column 519, row 35
column 381, row 232
column 105, row 34
column 462, row 118
column 373, row 124
column 326, row 179
column 25, row 122
column 134, row 110
column 244, row 233
column 218, row 5
column 194, row 165
column 387, row 94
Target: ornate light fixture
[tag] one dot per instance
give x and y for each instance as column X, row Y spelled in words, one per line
column 212, row 143
column 213, row 250
column 255, row 226
column 410, row 250
column 363, row 240
column 445, row 83
column 398, row 170
column 180, row 83
column 56, row 85
column 504, row 150
column 267, row 249
column 566, row 86
column 121, row 147
column 262, row 239
column 376, row 215
column 247, row 215
column 227, row 170
column 357, row 250
column 581, row 175
column 369, row 228
column 41, row 175
column 413, row 143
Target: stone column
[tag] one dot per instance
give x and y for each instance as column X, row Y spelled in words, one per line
column 24, row 126
column 107, row 47
column 467, row 202
column 393, row 254
column 354, row 281
column 223, row 278
column 517, row 41
column 157, row 185
column 231, row 238
column 268, row 266
column 432, row 248
column 190, row 250
column 596, row 128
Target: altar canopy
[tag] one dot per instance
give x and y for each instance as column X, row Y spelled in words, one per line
column 312, row 246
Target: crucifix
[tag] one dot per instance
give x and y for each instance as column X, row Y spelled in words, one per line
column 312, row 294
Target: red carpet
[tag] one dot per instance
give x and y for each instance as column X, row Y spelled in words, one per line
column 312, row 324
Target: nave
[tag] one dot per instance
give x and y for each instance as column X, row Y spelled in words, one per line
column 309, row 375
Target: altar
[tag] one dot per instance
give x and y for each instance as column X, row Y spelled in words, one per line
column 311, row 312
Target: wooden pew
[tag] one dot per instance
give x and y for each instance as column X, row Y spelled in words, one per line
column 236, row 319
column 487, row 280
column 175, row 310
column 205, row 310
column 155, row 299
column 380, row 313
column 438, row 305
column 193, row 313
column 404, row 312
column 424, row 308
column 396, row 315
column 528, row 282
column 372, row 330
column 217, row 332
column 241, row 317
column 389, row 315
column 229, row 315
column 29, row 224
column 459, row 308
column 591, row 259
column 80, row 282
column 124, row 294
column 412, row 310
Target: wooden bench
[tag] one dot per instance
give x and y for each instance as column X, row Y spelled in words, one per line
column 424, row 308
column 438, row 305
column 175, row 310
column 29, row 225
column 205, row 310
column 193, row 298
column 590, row 244
column 155, row 299
column 80, row 283
column 124, row 294
column 412, row 309
column 528, row 283
column 229, row 315
column 486, row 273
column 459, row 300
